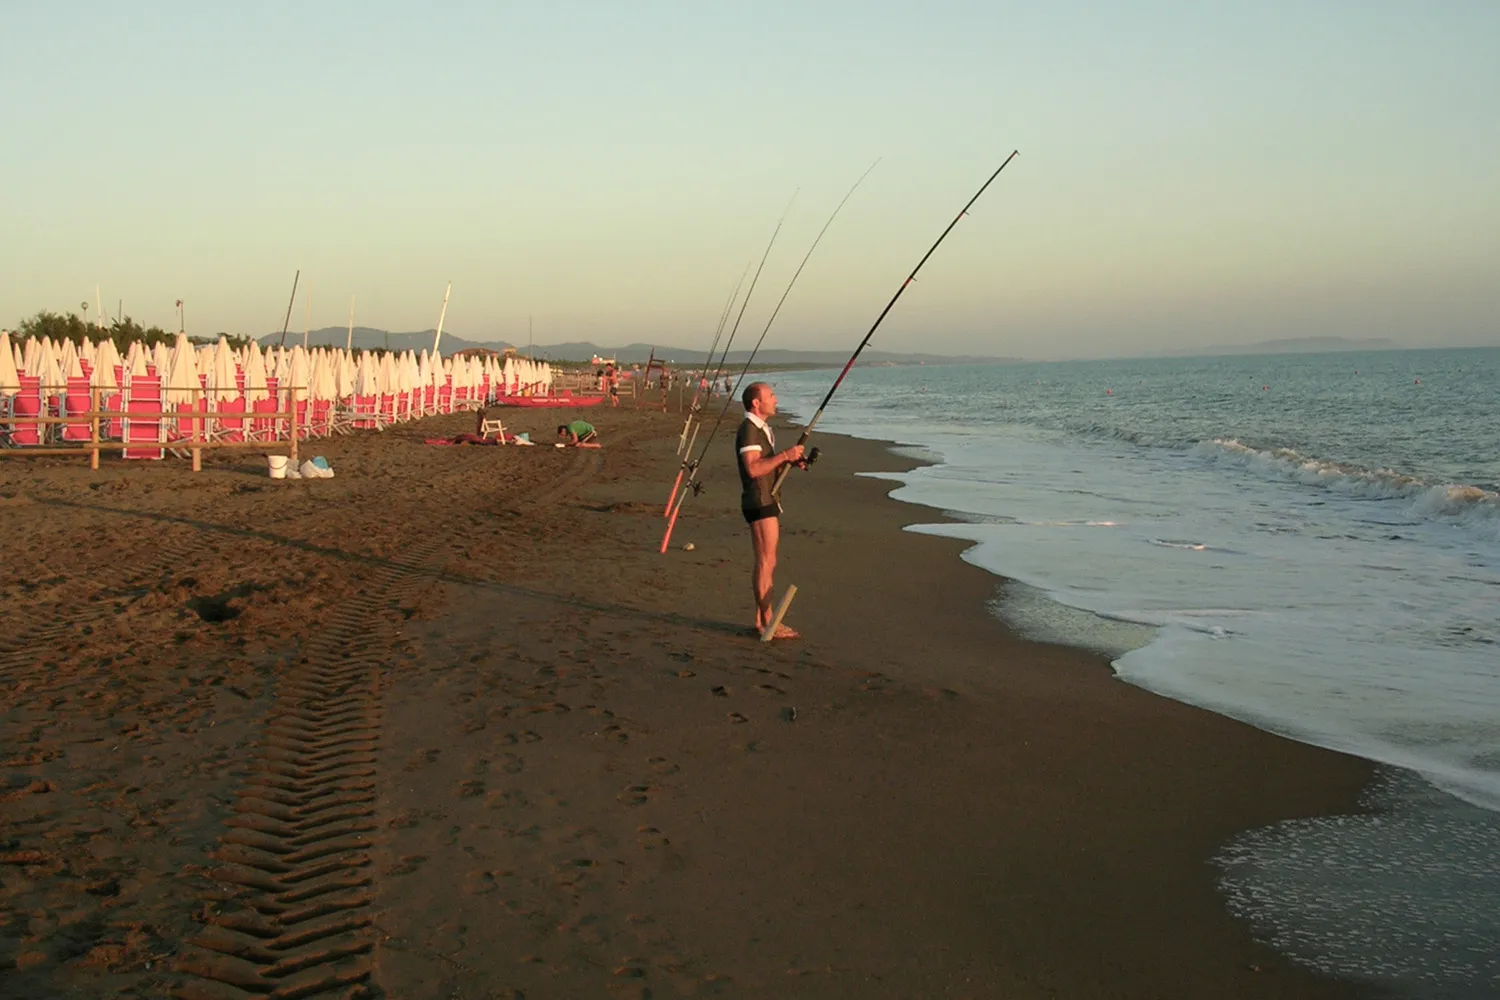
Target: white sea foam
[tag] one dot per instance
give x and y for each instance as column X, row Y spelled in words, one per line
column 1324, row 564
column 1479, row 507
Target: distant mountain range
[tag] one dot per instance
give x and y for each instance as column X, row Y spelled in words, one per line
column 1287, row 345
column 365, row 337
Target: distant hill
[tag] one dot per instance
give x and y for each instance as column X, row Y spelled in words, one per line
column 366, row 337
column 1287, row 345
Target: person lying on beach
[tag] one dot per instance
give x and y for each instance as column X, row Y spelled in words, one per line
column 579, row 433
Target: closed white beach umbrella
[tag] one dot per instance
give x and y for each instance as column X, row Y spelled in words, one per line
column 315, row 365
column 345, row 384
column 424, row 370
column 385, row 379
column 223, row 375
column 364, row 374
column 108, row 355
column 255, row 375
column 297, row 372
column 44, row 365
column 161, row 360
column 135, row 359
column 10, row 379
column 320, row 381
column 182, row 374
column 103, row 375
column 67, row 360
column 507, row 377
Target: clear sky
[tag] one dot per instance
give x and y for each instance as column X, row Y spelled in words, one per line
column 1191, row 173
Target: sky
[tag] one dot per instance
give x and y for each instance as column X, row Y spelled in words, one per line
column 1190, row 173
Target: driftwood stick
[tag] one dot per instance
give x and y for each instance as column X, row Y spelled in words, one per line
column 786, row 602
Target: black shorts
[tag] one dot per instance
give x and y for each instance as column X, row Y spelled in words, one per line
column 753, row 514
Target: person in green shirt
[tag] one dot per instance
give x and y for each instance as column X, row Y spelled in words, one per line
column 580, row 433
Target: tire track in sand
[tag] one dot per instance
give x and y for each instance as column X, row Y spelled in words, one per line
column 290, row 912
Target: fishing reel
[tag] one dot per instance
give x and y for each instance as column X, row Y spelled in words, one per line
column 809, row 457
column 697, row 487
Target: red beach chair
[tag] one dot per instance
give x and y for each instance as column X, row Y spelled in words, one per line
column 263, row 428
column 144, row 397
column 230, row 425
column 27, row 403
column 76, row 400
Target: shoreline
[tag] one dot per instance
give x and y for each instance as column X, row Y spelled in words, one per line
column 585, row 780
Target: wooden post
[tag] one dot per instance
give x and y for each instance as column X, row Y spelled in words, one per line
column 197, row 431
column 94, row 427
column 786, row 602
column 292, row 402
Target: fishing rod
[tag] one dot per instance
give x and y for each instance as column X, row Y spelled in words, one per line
column 746, row 302
column 684, row 443
column 781, row 473
column 713, row 346
column 692, row 484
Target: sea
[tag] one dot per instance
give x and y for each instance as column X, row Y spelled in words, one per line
column 1309, row 543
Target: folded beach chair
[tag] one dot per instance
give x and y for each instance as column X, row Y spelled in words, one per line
column 114, row 428
column 263, row 428
column 27, row 403
column 229, row 425
column 76, row 400
column 144, row 397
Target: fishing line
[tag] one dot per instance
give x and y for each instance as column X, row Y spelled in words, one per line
column 781, row 473
column 751, row 291
column 692, row 466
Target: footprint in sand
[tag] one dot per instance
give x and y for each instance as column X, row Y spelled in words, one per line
column 769, row 689
column 737, row 718
column 480, row 883
column 649, row 838
column 720, row 691
column 408, row 864
column 662, row 766
column 469, row 789
column 506, row 799
column 635, row 795
column 421, row 759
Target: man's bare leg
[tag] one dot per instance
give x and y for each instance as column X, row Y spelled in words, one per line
column 763, row 536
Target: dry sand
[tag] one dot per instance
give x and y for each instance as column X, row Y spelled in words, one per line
column 448, row 725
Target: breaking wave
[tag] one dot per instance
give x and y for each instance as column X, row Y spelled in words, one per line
column 1475, row 505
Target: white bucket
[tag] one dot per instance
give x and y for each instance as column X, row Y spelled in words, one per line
column 278, row 466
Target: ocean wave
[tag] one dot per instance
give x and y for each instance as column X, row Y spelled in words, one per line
column 1180, row 543
column 1476, row 506
column 1114, row 432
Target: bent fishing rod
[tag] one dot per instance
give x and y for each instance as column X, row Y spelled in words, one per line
column 692, row 484
column 781, row 473
column 686, row 465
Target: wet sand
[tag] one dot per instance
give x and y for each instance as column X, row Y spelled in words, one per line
column 449, row 725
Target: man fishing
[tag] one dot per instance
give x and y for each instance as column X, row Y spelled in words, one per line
column 758, row 461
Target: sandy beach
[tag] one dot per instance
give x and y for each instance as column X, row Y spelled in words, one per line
column 449, row 725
